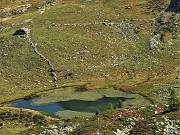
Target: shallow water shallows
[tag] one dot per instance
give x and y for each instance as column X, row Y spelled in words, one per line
column 75, row 103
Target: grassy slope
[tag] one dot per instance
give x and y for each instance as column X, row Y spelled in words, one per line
column 64, row 46
column 23, row 72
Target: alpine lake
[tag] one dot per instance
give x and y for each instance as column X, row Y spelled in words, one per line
column 70, row 102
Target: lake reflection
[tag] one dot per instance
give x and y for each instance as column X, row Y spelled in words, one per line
column 101, row 104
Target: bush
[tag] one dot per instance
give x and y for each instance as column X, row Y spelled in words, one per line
column 38, row 117
column 174, row 102
column 1, row 124
column 97, row 112
column 122, row 119
column 110, row 106
column 49, row 1
column 120, row 104
column 26, row 125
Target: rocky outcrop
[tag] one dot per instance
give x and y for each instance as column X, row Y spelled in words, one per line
column 56, row 130
column 127, row 31
column 13, row 11
column 154, row 41
column 174, row 6
column 163, row 24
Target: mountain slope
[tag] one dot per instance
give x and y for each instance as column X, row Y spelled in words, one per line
column 130, row 45
column 110, row 44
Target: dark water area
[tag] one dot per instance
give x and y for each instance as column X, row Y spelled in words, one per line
column 101, row 104
column 174, row 6
column 27, row 103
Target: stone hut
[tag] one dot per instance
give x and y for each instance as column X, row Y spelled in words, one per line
column 22, row 32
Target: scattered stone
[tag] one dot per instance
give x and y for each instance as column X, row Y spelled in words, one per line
column 56, row 130
column 122, row 132
column 128, row 31
column 99, row 33
column 127, row 7
column 104, row 23
column 13, row 11
column 52, row 4
column 168, row 126
column 20, row 9
column 28, row 20
column 5, row 55
column 154, row 41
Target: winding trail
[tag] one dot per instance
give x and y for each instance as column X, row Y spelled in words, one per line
column 51, row 67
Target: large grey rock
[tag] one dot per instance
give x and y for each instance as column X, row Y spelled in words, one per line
column 154, row 41
column 174, row 6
